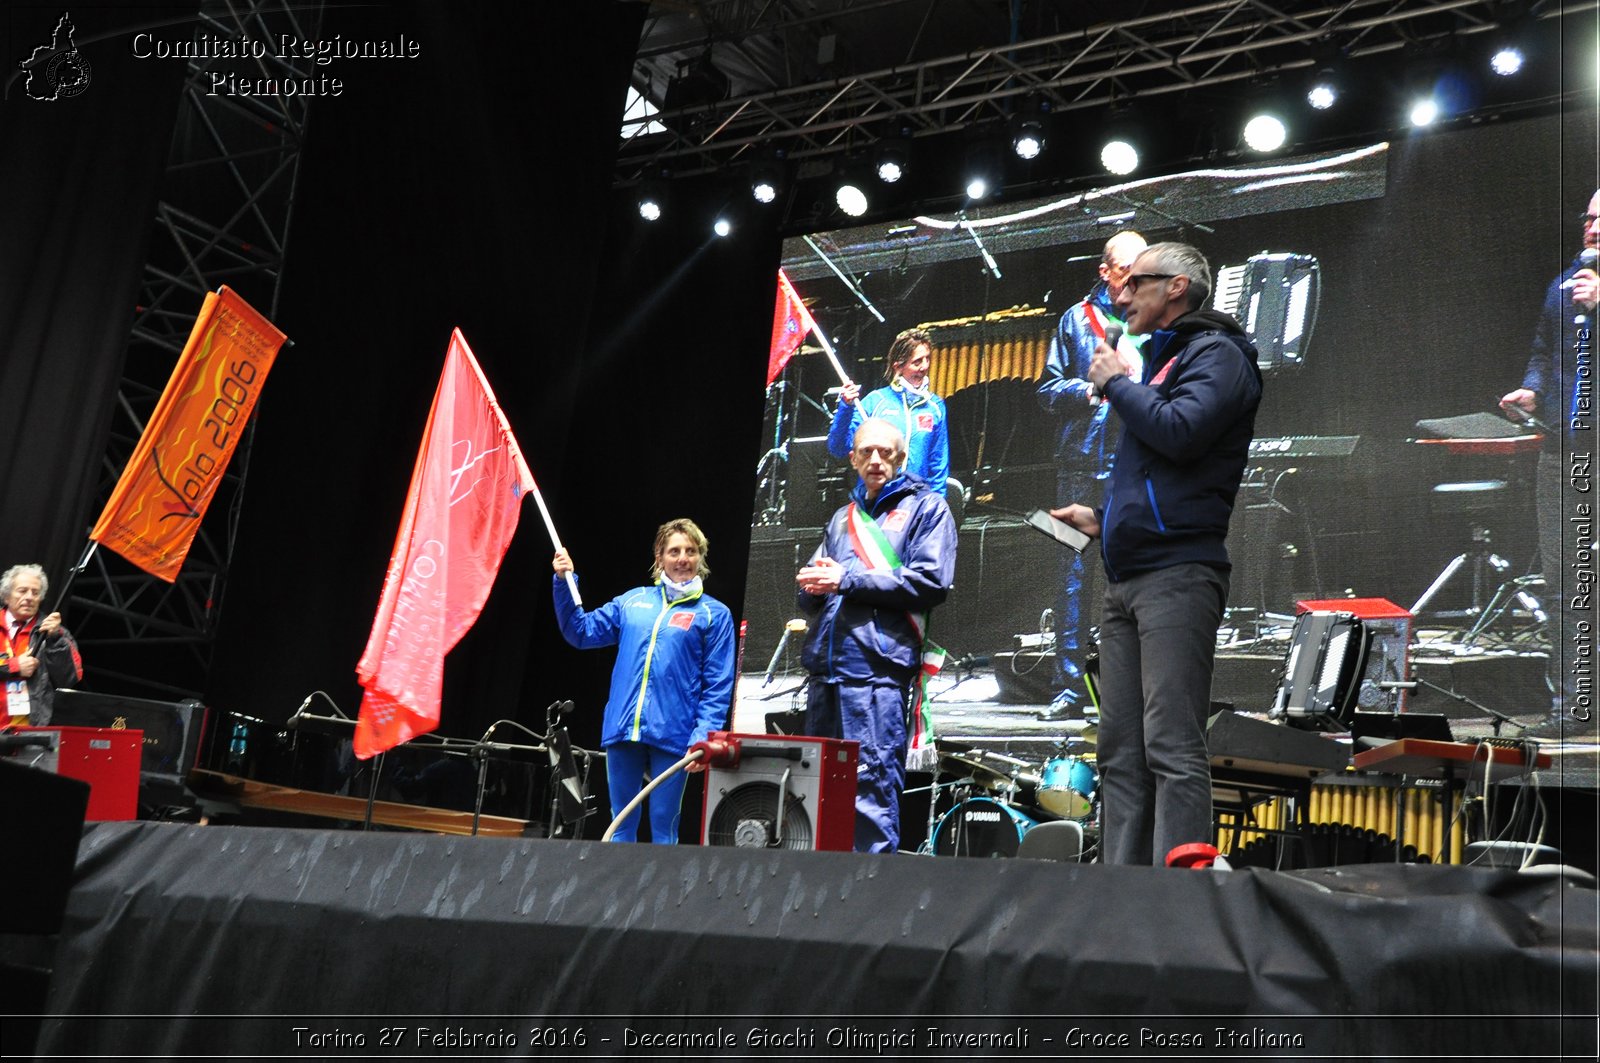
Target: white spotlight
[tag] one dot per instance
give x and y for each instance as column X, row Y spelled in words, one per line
column 890, row 171
column 1506, row 61
column 649, row 209
column 722, row 227
column 1119, row 157
column 1322, row 96
column 851, row 199
column 977, row 187
column 1265, row 132
column 1424, row 112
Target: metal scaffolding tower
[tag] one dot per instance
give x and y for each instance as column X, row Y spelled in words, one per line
column 224, row 217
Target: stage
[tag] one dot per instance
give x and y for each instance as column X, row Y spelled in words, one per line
column 215, row 941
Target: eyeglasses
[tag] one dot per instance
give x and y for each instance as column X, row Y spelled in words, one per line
column 1132, row 283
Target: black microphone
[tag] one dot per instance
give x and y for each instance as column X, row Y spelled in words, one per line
column 1586, row 258
column 1113, row 337
column 294, row 721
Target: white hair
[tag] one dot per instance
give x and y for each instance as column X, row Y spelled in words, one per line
column 11, row 574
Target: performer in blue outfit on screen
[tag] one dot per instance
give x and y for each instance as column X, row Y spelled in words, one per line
column 673, row 680
column 908, row 403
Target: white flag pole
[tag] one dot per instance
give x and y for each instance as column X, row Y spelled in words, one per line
column 550, row 526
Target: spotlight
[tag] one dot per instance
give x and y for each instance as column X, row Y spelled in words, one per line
column 852, row 199
column 1324, row 90
column 1424, row 112
column 766, row 177
column 981, row 170
column 1029, row 140
column 893, row 157
column 1331, row 66
column 722, row 227
column 649, row 207
column 1265, row 132
column 1119, row 157
column 1506, row 61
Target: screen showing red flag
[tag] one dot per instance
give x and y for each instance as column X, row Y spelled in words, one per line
column 790, row 323
column 461, row 512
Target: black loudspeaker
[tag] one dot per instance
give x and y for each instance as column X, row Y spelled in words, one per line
column 43, row 825
column 1322, row 673
column 173, row 733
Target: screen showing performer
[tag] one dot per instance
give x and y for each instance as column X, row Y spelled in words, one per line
column 1367, row 479
column 1556, row 397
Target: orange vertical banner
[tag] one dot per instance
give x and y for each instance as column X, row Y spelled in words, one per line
column 156, row 508
column 466, row 495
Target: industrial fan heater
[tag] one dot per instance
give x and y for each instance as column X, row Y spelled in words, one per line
column 781, row 792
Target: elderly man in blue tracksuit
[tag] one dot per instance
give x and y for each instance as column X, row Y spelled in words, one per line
column 1187, row 426
column 887, row 558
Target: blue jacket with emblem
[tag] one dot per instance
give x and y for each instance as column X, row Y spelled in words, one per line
column 1087, row 436
column 673, row 679
column 1186, row 438
column 920, row 418
column 864, row 633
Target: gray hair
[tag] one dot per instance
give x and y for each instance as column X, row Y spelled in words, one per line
column 894, row 433
column 1181, row 260
column 14, row 571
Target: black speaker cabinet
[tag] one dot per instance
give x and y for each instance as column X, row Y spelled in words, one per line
column 173, row 733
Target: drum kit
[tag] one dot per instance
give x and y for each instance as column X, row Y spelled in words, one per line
column 996, row 798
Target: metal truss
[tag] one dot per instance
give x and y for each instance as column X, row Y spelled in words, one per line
column 227, row 200
column 1179, row 48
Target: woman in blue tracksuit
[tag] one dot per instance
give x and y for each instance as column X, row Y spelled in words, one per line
column 674, row 674
column 908, row 403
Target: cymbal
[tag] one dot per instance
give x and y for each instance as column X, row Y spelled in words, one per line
column 981, row 773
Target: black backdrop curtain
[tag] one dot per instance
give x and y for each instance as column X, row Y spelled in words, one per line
column 79, row 181
column 471, row 188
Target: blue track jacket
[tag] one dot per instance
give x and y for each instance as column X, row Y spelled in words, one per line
column 673, row 679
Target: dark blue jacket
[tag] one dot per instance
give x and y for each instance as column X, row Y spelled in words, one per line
column 863, row 634
column 1553, row 361
column 1186, row 437
column 1088, row 436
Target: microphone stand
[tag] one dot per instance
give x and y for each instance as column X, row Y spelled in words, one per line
column 1494, row 714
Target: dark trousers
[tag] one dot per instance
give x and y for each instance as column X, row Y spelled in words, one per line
column 1077, row 583
column 1157, row 648
column 875, row 717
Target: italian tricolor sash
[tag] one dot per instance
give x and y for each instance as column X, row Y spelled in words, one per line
column 876, row 552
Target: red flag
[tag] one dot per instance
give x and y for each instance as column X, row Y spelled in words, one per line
column 461, row 512
column 790, row 323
